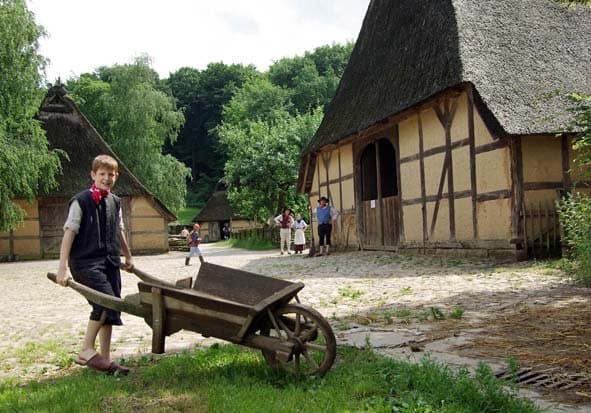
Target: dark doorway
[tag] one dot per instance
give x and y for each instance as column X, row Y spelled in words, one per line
column 380, row 203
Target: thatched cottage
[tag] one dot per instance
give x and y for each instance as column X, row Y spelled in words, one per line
column 446, row 124
column 216, row 212
column 146, row 218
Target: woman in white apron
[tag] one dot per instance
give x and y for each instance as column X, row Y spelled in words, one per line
column 300, row 238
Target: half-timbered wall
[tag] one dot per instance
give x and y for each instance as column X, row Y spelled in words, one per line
column 147, row 227
column 455, row 178
column 333, row 177
column 24, row 242
column 459, row 186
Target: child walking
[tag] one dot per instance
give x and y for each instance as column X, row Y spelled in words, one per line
column 92, row 244
column 194, row 241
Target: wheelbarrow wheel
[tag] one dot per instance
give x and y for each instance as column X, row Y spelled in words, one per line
column 314, row 347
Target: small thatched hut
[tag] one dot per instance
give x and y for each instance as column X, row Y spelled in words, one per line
column 217, row 212
column 446, row 126
column 145, row 217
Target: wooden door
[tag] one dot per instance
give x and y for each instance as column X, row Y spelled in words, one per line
column 52, row 216
column 378, row 195
column 214, row 231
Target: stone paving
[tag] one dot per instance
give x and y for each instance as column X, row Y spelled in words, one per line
column 44, row 323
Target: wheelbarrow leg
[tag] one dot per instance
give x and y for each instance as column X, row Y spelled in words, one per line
column 158, row 321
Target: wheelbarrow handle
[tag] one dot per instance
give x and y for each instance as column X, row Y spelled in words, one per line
column 108, row 301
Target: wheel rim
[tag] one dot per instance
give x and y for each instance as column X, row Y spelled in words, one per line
column 312, row 338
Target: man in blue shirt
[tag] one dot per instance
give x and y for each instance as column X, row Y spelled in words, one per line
column 325, row 217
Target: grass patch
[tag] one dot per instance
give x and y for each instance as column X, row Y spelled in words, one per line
column 185, row 216
column 255, row 244
column 229, row 378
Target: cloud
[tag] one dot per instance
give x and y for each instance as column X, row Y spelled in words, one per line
column 86, row 34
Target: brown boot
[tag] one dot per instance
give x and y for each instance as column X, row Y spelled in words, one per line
column 187, row 259
column 201, row 259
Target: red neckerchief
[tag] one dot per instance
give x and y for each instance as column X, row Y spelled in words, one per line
column 98, row 194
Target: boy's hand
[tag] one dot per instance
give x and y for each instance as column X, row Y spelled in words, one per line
column 62, row 277
column 128, row 264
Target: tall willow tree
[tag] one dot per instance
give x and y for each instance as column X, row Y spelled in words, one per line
column 26, row 164
column 127, row 106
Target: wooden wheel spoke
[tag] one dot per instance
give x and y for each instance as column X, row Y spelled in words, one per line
column 285, row 328
column 316, row 347
column 297, row 325
column 310, row 359
column 314, row 343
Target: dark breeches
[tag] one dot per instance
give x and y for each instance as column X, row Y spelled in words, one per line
column 104, row 277
column 324, row 231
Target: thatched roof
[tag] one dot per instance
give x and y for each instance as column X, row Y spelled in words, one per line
column 217, row 208
column 69, row 130
column 513, row 52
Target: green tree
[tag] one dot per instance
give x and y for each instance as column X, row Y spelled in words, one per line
column 26, row 164
column 128, row 107
column 575, row 209
column 312, row 79
column 263, row 143
column 202, row 95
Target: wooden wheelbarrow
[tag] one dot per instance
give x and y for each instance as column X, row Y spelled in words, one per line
column 233, row 305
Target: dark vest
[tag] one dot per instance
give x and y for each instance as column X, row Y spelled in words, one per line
column 98, row 236
column 285, row 221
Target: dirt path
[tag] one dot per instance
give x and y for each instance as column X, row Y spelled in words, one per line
column 400, row 305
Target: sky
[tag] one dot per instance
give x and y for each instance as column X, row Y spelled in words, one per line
column 83, row 35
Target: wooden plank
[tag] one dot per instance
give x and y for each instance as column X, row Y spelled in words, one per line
column 517, row 187
column 158, row 321
column 379, row 200
column 439, row 194
column 326, row 157
column 306, row 167
column 400, row 223
column 566, row 180
column 472, row 150
column 537, row 186
column 435, row 151
column 482, row 197
column 493, row 146
column 422, row 178
column 341, row 206
column 450, row 172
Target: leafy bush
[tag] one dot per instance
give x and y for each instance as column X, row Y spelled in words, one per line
column 575, row 217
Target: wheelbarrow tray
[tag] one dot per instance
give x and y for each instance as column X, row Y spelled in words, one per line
column 223, row 302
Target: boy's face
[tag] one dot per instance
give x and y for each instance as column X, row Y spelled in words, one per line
column 104, row 178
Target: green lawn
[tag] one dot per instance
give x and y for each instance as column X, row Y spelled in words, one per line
column 230, row 378
column 185, row 216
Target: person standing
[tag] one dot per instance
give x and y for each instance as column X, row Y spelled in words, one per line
column 93, row 240
column 285, row 222
column 194, row 240
column 300, row 237
column 325, row 217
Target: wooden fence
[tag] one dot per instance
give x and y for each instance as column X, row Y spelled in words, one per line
column 542, row 232
column 267, row 233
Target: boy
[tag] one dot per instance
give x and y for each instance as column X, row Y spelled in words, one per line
column 93, row 240
column 194, row 240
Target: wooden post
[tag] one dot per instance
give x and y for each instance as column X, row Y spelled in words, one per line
column 158, row 321
column 472, row 146
column 399, row 185
column 379, row 203
column 422, row 177
column 340, row 190
column 566, row 180
column 533, row 231
column 517, row 190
